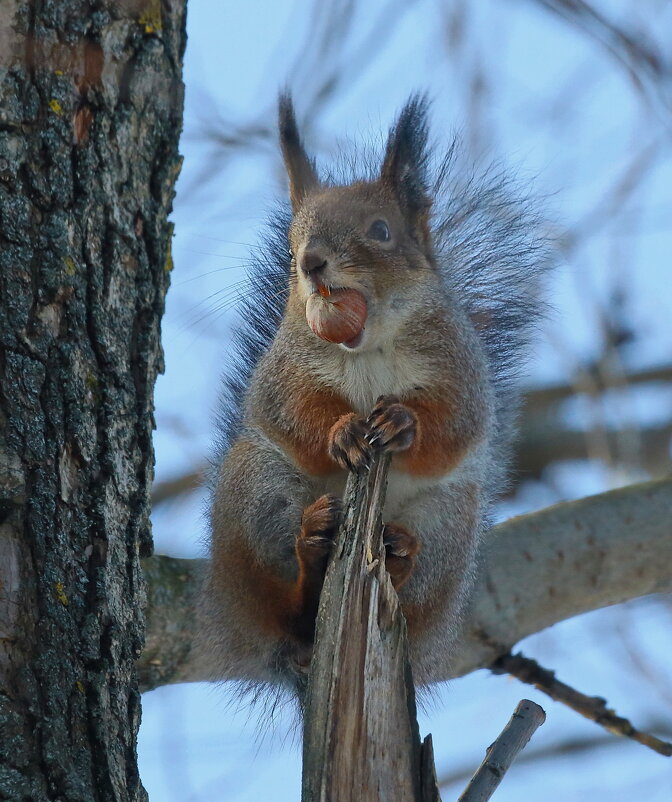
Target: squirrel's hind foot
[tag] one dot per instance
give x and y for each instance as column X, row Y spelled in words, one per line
column 319, row 528
column 401, row 549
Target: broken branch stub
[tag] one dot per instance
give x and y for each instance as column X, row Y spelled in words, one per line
column 361, row 738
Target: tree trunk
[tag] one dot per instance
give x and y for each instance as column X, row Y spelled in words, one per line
column 90, row 114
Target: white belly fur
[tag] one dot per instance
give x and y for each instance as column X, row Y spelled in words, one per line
column 361, row 379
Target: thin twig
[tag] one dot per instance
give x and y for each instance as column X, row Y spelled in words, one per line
column 592, row 707
column 171, row 488
column 570, row 746
column 526, row 719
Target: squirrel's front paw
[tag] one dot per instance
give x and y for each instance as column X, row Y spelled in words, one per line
column 401, row 548
column 347, row 443
column 392, row 425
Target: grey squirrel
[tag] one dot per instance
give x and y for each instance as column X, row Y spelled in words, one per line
column 389, row 311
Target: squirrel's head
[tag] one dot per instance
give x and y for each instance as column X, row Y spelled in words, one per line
column 362, row 254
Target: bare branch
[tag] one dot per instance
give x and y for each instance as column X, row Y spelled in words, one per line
column 542, row 568
column 526, row 719
column 171, row 488
column 544, row 442
column 542, row 399
column 592, row 707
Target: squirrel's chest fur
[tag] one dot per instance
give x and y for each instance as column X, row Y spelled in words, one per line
column 362, row 378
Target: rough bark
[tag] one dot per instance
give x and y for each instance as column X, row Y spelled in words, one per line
column 535, row 570
column 90, row 114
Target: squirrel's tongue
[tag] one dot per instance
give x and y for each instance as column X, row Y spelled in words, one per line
column 338, row 317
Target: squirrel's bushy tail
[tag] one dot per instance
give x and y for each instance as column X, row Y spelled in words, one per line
column 493, row 250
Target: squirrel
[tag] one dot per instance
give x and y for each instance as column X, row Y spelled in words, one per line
column 387, row 312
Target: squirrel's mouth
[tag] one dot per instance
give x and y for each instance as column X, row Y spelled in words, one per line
column 337, row 315
column 355, row 342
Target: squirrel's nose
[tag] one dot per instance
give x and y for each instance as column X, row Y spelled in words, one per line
column 312, row 263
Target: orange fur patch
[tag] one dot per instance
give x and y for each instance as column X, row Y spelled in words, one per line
column 311, row 416
column 437, row 447
column 266, row 596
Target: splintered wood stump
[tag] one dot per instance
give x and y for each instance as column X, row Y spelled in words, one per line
column 361, row 738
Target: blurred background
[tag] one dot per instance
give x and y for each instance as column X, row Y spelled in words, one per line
column 575, row 99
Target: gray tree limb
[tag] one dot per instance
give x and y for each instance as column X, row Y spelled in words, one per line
column 536, row 570
column 568, row 559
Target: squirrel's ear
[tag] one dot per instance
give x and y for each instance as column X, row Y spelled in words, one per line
column 300, row 169
column 405, row 164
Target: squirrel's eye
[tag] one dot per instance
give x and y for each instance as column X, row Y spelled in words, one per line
column 379, row 230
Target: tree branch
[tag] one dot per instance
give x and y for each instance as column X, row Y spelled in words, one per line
column 542, row 399
column 526, row 719
column 536, row 570
column 542, row 442
column 592, row 707
column 548, row 566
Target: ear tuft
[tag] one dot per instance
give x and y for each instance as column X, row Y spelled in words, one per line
column 404, row 167
column 300, row 169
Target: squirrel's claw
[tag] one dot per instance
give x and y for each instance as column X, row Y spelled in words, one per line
column 320, row 522
column 347, row 444
column 392, row 425
column 401, row 549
